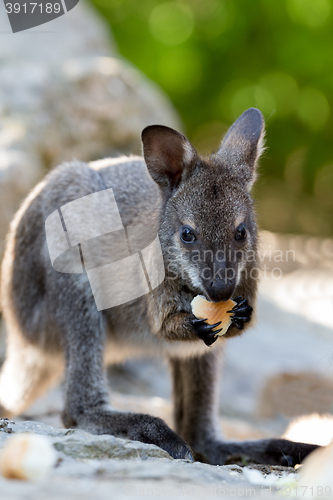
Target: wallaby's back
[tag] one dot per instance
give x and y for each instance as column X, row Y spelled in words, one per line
column 27, row 273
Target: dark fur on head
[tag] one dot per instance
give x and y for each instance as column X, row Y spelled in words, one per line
column 210, row 196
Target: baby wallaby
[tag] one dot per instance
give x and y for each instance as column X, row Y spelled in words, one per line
column 165, row 229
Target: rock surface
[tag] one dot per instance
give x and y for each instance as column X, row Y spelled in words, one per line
column 82, row 445
column 104, row 466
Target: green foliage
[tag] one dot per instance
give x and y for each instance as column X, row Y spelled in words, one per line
column 216, row 58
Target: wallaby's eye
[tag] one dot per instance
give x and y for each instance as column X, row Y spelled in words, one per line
column 240, row 234
column 187, row 235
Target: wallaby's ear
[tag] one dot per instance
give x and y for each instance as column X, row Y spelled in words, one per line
column 243, row 145
column 168, row 155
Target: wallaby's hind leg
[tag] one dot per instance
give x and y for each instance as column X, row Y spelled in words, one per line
column 25, row 375
column 196, row 379
column 86, row 395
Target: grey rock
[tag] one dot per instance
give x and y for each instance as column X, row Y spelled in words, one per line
column 123, row 468
column 99, row 108
column 64, row 94
column 83, row 445
column 80, row 444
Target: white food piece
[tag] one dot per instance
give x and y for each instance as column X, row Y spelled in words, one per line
column 213, row 312
column 27, row 456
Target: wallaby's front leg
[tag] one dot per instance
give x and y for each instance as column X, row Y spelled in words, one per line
column 86, row 402
column 196, row 418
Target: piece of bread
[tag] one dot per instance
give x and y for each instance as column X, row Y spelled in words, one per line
column 213, row 312
column 27, row 456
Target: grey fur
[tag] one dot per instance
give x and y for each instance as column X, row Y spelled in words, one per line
column 52, row 320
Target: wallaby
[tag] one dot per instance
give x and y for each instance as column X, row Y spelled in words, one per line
column 53, row 324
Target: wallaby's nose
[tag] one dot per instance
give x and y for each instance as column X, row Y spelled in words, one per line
column 220, row 290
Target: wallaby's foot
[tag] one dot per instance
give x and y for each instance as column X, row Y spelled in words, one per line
column 241, row 313
column 134, row 426
column 264, row 451
column 205, row 331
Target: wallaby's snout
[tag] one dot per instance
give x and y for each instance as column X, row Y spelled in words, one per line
column 218, row 282
column 220, row 289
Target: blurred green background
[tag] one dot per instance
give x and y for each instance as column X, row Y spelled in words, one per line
column 216, row 58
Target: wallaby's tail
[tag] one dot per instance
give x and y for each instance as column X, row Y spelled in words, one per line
column 25, row 375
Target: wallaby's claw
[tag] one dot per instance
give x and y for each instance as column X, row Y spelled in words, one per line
column 205, row 331
column 238, row 324
column 241, row 313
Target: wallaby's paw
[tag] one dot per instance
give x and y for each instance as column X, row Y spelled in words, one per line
column 153, row 430
column 264, row 451
column 205, row 331
column 177, row 449
column 241, row 313
column 134, row 426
